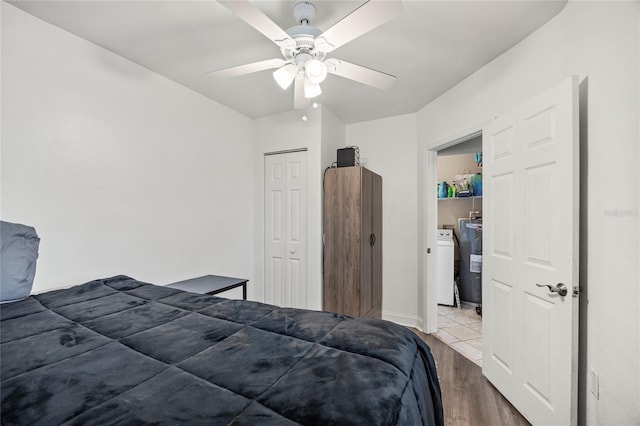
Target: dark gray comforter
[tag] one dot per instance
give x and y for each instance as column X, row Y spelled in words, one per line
column 119, row 351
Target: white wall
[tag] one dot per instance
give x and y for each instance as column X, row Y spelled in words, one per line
column 599, row 41
column 120, row 171
column 389, row 146
column 332, row 137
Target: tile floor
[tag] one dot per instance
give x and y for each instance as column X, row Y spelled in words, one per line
column 462, row 330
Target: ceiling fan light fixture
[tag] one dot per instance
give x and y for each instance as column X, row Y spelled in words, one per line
column 315, row 70
column 285, row 75
column 311, row 89
column 304, row 47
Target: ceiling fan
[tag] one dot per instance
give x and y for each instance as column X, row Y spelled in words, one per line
column 304, row 48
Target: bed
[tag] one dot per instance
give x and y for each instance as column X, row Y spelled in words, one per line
column 120, row 351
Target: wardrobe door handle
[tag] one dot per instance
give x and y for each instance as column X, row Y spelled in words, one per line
column 372, row 239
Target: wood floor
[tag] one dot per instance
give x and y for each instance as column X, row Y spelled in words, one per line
column 468, row 398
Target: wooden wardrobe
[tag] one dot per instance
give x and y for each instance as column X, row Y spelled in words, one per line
column 353, row 242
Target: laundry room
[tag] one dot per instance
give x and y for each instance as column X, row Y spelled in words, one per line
column 459, row 247
column 460, row 210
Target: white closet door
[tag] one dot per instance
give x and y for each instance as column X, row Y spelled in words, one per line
column 530, row 339
column 286, row 229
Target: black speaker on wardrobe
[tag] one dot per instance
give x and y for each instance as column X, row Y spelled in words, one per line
column 349, row 156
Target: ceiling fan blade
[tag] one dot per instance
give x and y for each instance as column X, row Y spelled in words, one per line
column 247, row 68
column 360, row 74
column 258, row 20
column 299, row 101
column 370, row 15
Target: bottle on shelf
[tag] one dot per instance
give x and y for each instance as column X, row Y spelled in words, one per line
column 476, row 185
column 442, row 190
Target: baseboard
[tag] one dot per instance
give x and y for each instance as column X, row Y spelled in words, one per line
column 402, row 319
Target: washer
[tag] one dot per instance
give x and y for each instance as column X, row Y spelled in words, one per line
column 445, row 266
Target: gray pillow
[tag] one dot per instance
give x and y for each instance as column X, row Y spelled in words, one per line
column 18, row 254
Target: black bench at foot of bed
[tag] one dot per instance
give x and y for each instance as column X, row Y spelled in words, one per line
column 119, row 351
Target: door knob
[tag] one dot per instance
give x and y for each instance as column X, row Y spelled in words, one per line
column 292, row 251
column 560, row 288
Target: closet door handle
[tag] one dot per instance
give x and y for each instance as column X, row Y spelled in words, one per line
column 372, row 239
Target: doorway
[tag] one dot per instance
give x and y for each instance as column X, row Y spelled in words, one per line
column 285, row 225
column 459, row 246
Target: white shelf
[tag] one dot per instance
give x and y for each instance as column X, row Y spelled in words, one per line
column 462, row 198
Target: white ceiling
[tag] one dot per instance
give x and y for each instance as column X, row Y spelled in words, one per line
column 430, row 47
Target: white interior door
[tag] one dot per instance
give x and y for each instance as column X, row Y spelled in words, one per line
column 530, row 339
column 286, row 229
